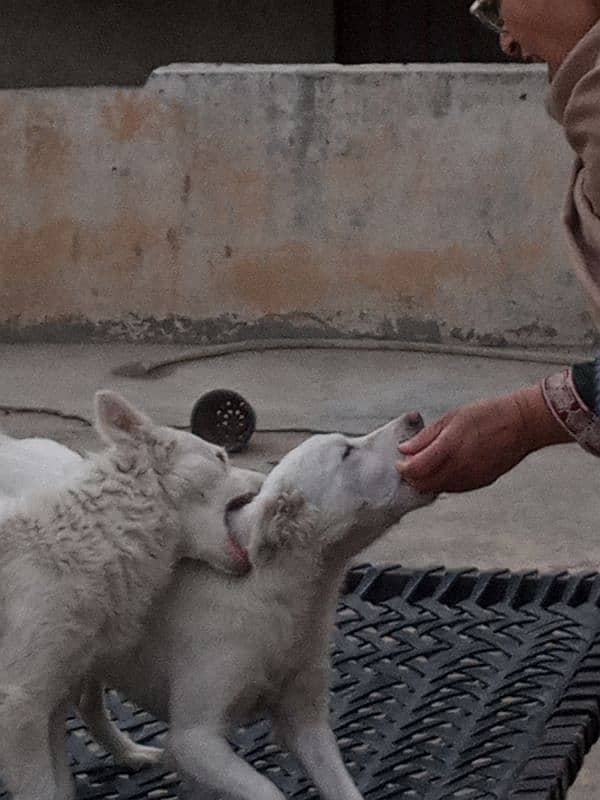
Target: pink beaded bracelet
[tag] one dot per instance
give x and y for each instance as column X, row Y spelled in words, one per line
column 571, row 412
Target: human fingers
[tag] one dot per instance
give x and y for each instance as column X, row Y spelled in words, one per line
column 417, row 469
column 423, row 439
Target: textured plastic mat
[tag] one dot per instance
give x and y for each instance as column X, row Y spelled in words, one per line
column 453, row 685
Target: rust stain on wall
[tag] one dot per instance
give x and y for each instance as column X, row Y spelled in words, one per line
column 132, row 115
column 419, row 273
column 134, row 201
column 297, row 276
column 458, row 269
column 133, row 261
column 33, row 267
column 522, row 257
column 127, row 115
column 47, row 147
column 273, row 283
column 120, row 245
column 59, row 268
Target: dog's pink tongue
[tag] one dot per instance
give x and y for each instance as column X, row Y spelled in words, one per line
column 240, row 524
column 239, row 553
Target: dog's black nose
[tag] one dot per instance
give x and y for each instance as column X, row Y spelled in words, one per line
column 415, row 420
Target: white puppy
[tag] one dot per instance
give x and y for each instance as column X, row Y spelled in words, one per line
column 80, row 566
column 219, row 652
column 32, row 465
column 37, row 464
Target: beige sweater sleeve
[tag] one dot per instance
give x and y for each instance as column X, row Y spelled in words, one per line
column 582, row 127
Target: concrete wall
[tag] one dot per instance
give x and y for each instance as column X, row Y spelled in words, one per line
column 120, row 42
column 403, row 202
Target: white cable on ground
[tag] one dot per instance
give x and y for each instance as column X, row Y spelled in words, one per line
column 158, row 369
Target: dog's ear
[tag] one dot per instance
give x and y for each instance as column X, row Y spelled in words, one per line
column 286, row 522
column 117, row 421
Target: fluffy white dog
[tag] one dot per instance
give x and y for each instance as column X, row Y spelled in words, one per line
column 218, row 652
column 34, row 464
column 81, row 565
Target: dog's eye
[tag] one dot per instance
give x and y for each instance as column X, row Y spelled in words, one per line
column 347, row 451
column 221, row 456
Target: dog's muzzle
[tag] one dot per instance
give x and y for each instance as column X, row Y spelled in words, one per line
column 239, row 502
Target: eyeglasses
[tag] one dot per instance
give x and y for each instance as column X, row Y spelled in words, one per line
column 488, row 13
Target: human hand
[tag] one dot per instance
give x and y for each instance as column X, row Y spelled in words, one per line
column 471, row 446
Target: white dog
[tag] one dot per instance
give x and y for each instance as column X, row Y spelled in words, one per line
column 218, row 652
column 34, row 464
column 80, row 566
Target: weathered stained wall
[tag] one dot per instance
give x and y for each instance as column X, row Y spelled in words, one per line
column 405, row 202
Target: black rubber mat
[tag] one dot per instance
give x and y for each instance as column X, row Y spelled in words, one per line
column 453, row 685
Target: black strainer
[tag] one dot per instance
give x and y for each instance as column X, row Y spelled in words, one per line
column 225, row 418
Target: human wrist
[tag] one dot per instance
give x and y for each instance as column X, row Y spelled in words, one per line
column 538, row 426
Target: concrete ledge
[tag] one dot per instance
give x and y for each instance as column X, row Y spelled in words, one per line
column 338, row 69
column 219, row 201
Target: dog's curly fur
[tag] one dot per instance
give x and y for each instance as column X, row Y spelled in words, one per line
column 79, row 568
column 218, row 653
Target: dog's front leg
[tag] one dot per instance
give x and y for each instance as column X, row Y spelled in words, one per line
column 95, row 716
column 314, row 745
column 205, row 756
column 302, row 723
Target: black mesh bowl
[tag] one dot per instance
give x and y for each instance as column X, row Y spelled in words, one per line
column 225, row 418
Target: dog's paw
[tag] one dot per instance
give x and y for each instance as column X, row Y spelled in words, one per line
column 138, row 756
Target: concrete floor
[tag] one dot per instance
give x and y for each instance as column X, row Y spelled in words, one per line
column 543, row 515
